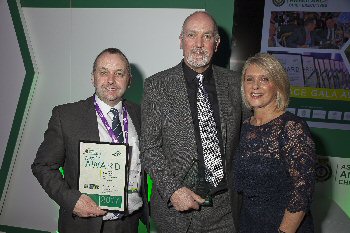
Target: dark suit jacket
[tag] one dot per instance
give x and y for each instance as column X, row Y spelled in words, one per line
column 70, row 123
column 329, row 43
column 168, row 145
column 298, row 38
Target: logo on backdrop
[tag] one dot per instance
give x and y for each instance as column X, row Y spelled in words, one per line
column 342, row 174
column 323, row 169
column 278, row 3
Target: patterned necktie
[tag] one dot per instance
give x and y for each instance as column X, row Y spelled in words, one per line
column 116, row 126
column 207, row 128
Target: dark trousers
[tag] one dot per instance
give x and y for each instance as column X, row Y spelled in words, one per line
column 216, row 219
column 127, row 224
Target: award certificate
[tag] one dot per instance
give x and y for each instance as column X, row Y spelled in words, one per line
column 103, row 174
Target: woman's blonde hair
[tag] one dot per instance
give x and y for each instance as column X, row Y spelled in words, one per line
column 275, row 72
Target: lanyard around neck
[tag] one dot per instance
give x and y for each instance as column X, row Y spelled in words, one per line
column 108, row 127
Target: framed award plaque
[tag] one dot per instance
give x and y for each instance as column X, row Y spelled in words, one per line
column 103, row 174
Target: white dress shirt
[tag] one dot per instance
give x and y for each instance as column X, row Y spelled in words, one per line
column 134, row 196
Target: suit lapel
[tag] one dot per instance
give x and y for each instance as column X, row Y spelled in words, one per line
column 90, row 120
column 135, row 116
column 180, row 104
column 221, row 85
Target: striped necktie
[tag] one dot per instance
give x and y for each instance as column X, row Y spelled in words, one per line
column 214, row 171
column 116, row 126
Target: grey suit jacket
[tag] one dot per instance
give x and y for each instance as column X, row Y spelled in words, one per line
column 70, row 123
column 168, row 145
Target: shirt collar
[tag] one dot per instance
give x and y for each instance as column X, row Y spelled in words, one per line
column 191, row 74
column 105, row 108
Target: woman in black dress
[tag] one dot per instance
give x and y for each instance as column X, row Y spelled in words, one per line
column 274, row 169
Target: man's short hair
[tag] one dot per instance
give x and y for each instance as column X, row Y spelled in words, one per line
column 112, row 51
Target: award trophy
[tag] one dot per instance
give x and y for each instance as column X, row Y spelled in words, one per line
column 194, row 180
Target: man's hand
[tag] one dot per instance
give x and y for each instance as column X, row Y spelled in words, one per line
column 184, row 199
column 86, row 207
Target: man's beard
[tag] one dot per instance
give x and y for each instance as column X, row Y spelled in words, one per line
column 191, row 59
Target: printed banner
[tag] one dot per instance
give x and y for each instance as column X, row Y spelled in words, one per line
column 311, row 39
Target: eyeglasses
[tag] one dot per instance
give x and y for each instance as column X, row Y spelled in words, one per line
column 261, row 80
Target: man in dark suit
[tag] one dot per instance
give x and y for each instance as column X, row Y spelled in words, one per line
column 304, row 36
column 174, row 152
column 90, row 120
column 330, row 38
